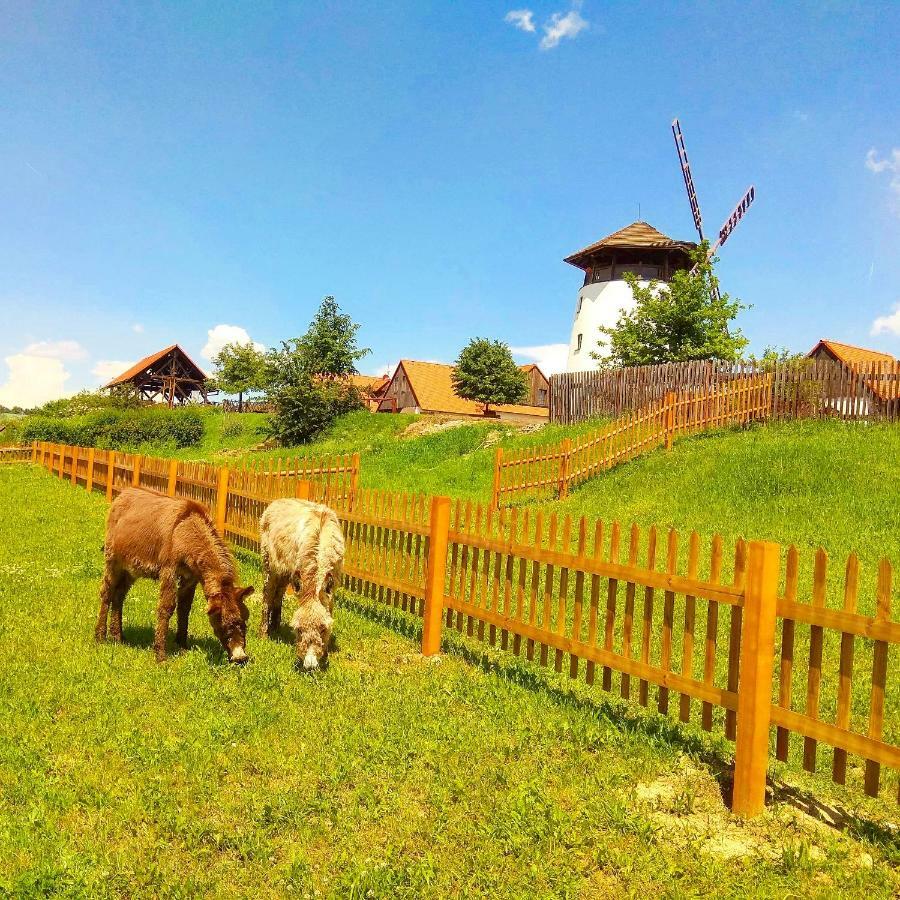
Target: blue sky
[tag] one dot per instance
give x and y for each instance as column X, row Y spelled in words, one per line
column 173, row 167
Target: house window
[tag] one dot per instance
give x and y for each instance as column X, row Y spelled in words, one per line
column 578, row 343
column 542, row 396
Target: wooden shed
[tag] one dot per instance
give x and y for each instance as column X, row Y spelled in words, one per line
column 538, row 386
column 168, row 376
column 424, row 387
column 874, row 373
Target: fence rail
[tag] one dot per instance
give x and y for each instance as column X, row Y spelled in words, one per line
column 742, row 640
column 809, row 388
column 551, row 470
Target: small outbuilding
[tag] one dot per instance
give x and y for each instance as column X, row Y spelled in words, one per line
column 875, row 373
column 424, row 387
column 169, row 376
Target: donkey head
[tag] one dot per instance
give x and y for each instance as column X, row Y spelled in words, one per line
column 313, row 623
column 228, row 616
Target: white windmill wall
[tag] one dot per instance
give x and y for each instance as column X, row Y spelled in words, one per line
column 598, row 304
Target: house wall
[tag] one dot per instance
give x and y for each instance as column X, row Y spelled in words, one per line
column 538, row 390
column 400, row 391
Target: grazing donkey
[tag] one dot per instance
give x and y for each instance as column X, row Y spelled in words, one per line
column 174, row 541
column 302, row 545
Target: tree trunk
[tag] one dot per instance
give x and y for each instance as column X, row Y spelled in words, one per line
column 240, row 401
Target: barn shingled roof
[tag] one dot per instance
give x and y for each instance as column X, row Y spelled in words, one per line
column 151, row 360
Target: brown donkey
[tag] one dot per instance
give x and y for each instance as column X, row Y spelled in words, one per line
column 173, row 541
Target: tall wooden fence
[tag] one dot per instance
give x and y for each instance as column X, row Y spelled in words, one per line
column 809, row 388
column 739, row 642
column 550, row 470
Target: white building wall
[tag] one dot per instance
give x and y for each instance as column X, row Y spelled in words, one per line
column 598, row 304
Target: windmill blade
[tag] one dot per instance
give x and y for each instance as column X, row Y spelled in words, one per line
column 732, row 221
column 688, row 178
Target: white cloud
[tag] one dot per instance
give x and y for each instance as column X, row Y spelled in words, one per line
column 69, row 351
column 891, row 165
column 888, row 324
column 387, row 369
column 550, row 358
column 33, row 380
column 523, row 19
column 220, row 335
column 562, row 26
column 137, row 328
column 107, row 369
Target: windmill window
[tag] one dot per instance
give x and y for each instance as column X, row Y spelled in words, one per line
column 644, row 272
column 580, row 299
column 578, row 343
column 603, row 273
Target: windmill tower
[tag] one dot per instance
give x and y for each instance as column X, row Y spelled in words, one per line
column 641, row 249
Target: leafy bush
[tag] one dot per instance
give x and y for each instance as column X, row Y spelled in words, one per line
column 86, row 402
column 232, row 429
column 119, row 429
column 308, row 406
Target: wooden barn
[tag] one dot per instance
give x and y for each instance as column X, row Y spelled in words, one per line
column 874, row 374
column 538, row 386
column 423, row 387
column 169, row 376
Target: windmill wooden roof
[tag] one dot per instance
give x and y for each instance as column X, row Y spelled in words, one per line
column 432, row 385
column 637, row 235
column 863, row 361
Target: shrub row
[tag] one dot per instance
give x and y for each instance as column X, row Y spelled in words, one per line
column 118, row 429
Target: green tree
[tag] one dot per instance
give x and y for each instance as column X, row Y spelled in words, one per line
column 240, row 368
column 309, row 376
column 681, row 320
column 328, row 349
column 486, row 373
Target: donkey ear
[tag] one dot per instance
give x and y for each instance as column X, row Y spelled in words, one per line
column 213, row 605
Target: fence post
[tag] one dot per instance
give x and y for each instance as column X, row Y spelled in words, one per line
column 136, row 472
column 222, row 499
column 495, row 490
column 434, row 580
column 671, row 401
column 89, row 481
column 110, row 474
column 76, row 453
column 301, row 489
column 354, row 483
column 562, row 489
column 34, row 451
column 751, row 752
column 173, row 478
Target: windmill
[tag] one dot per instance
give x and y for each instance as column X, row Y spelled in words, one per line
column 731, row 222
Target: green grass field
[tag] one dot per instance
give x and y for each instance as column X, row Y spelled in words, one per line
column 384, row 776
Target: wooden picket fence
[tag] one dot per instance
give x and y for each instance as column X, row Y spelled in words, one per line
column 808, row 388
column 14, row 453
column 548, row 471
column 738, row 643
column 242, row 490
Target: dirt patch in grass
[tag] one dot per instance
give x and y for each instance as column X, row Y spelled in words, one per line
column 686, row 805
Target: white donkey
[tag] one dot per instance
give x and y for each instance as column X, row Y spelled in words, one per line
column 302, row 545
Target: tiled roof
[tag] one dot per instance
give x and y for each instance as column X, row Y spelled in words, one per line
column 433, row 387
column 637, row 234
column 148, row 361
column 847, row 353
column 369, row 384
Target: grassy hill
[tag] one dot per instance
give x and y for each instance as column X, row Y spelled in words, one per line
column 829, row 484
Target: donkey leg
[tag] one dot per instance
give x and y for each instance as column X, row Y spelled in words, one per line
column 168, row 597
column 116, row 601
column 273, row 594
column 107, row 589
column 185, row 600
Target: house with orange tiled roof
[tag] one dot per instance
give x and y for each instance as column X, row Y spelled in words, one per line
column 169, row 375
column 372, row 388
column 876, row 372
column 425, row 387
